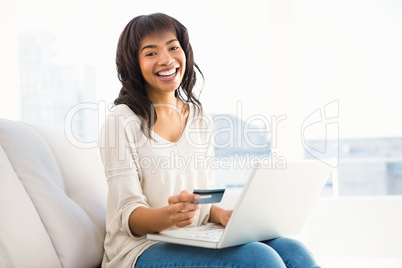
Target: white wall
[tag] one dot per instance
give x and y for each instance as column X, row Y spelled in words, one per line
column 287, row 58
column 9, row 65
column 351, row 51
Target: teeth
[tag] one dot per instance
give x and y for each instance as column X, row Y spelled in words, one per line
column 168, row 73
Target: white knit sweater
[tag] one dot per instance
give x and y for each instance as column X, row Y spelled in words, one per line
column 146, row 172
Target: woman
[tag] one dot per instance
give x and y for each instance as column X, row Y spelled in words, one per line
column 155, row 147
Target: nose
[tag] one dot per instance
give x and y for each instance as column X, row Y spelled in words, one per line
column 165, row 58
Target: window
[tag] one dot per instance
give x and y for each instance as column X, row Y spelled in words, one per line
column 269, row 67
column 57, row 63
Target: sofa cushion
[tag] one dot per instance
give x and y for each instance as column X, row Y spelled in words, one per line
column 52, row 199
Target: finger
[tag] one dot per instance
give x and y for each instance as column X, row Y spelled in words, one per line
column 187, row 197
column 184, row 192
column 185, row 223
column 181, row 216
column 183, row 197
column 182, row 207
column 183, row 219
column 178, row 211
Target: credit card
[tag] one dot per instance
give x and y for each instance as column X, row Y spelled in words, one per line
column 209, row 196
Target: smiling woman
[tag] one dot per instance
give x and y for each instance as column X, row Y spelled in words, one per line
column 156, row 68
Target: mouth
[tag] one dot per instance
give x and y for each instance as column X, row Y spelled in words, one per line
column 166, row 74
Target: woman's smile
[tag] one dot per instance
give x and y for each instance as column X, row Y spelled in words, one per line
column 167, row 75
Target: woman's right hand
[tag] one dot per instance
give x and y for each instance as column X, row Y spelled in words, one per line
column 181, row 210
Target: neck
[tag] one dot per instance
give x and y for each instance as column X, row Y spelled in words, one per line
column 163, row 99
column 165, row 103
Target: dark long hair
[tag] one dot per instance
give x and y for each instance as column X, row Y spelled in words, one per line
column 133, row 92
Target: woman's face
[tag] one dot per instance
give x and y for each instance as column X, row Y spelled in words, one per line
column 162, row 61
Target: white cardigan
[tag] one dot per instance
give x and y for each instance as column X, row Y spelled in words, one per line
column 146, row 172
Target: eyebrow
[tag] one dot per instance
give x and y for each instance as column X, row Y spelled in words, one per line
column 155, row 46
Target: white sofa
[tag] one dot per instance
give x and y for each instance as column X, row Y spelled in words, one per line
column 52, row 199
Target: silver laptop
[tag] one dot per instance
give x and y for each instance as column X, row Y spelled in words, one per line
column 274, row 203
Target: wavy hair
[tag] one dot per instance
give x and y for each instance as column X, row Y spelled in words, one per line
column 133, row 92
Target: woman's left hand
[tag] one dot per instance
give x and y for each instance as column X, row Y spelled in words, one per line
column 224, row 216
column 220, row 215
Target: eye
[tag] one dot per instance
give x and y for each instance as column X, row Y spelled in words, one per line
column 174, row 48
column 150, row 54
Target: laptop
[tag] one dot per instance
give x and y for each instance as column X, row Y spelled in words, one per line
column 275, row 202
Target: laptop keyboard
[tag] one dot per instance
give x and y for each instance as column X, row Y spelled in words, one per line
column 205, row 232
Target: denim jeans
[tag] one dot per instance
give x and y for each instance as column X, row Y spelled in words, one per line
column 280, row 252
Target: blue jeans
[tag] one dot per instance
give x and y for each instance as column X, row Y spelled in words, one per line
column 280, row 252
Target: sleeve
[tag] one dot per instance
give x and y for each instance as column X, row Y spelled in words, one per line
column 120, row 160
